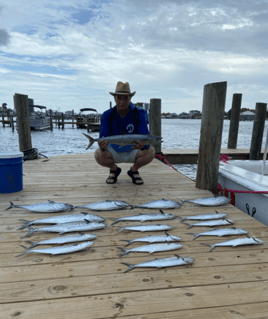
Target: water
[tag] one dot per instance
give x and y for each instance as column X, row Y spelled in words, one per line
column 176, row 133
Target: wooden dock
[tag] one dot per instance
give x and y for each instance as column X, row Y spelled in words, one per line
column 225, row 283
column 190, row 156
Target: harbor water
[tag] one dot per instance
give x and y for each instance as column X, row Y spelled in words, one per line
column 176, row 133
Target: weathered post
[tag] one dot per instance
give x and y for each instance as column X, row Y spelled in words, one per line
column 23, row 121
column 211, row 135
column 257, row 134
column 155, row 122
column 62, row 120
column 111, row 105
column 72, row 118
column 12, row 124
column 3, row 118
column 87, row 124
column 234, row 123
column 50, row 120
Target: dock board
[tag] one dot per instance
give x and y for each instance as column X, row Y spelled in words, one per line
column 225, row 283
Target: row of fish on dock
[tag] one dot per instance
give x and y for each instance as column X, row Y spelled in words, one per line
column 88, row 222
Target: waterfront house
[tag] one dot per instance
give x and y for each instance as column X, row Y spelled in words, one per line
column 247, row 116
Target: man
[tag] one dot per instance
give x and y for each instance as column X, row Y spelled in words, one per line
column 124, row 118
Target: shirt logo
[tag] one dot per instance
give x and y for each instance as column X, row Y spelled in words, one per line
column 130, row 128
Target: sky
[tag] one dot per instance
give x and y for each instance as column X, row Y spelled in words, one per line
column 69, row 54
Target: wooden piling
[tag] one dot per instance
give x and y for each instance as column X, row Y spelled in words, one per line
column 155, row 122
column 62, row 120
column 258, row 128
column 3, row 118
column 87, row 124
column 50, row 120
column 72, row 118
column 211, row 135
column 12, row 124
column 23, row 121
column 234, row 123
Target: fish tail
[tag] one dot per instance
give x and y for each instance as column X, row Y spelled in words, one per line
column 11, row 205
column 30, row 232
column 190, row 226
column 129, row 242
column 91, row 140
column 195, row 235
column 120, row 230
column 32, row 243
column 115, row 222
column 130, row 267
column 26, row 223
column 211, row 246
column 181, row 218
column 26, row 252
column 125, row 251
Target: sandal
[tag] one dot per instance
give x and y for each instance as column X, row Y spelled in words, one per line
column 113, row 178
column 135, row 178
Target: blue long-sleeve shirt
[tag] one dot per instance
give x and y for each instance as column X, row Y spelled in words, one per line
column 125, row 125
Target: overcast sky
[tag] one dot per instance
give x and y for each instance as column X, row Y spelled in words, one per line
column 69, row 54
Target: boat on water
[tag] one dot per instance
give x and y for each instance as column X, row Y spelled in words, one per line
column 39, row 121
column 248, row 176
column 92, row 121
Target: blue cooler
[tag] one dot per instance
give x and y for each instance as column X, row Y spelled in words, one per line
column 11, row 172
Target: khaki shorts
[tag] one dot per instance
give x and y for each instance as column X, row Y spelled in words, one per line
column 123, row 157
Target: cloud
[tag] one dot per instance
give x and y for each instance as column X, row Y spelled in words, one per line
column 4, row 37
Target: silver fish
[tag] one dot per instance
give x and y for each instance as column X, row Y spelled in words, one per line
column 58, row 250
column 66, row 228
column 106, row 205
column 205, row 217
column 146, row 217
column 161, row 263
column 47, row 207
column 125, row 139
column 63, row 219
column 212, row 223
column 152, row 248
column 210, row 201
column 237, row 242
column 144, row 228
column 220, row 232
column 160, row 204
column 63, row 240
column 154, row 239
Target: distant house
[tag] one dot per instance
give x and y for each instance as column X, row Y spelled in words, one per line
column 184, row 115
column 247, row 116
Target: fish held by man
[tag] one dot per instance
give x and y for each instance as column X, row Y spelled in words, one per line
column 63, row 240
column 124, row 139
column 152, row 248
column 220, row 232
column 63, row 219
column 236, row 242
column 146, row 217
column 162, row 263
column 106, row 205
column 47, row 207
column 211, row 223
column 160, row 204
column 58, row 250
column 209, row 201
column 154, row 239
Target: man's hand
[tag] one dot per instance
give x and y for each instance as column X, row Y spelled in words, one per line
column 138, row 145
column 103, row 145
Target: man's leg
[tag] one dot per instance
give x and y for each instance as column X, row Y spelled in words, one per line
column 142, row 158
column 105, row 158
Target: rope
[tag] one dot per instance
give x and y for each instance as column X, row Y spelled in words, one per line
column 161, row 157
column 32, row 154
column 239, row 191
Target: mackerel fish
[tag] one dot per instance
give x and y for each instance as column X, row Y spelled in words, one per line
column 237, row 242
column 154, row 239
column 146, row 217
column 58, row 250
column 160, row 204
column 152, row 248
column 144, row 228
column 204, row 217
column 220, row 232
column 210, row 201
column 66, row 228
column 47, row 207
column 124, row 139
column 161, row 263
column 63, row 240
column 63, row 219
column 106, row 205
column 212, row 223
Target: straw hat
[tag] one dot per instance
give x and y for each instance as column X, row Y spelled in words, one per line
column 122, row 89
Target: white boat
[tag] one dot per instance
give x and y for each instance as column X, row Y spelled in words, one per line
column 91, row 121
column 246, row 175
column 39, row 122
